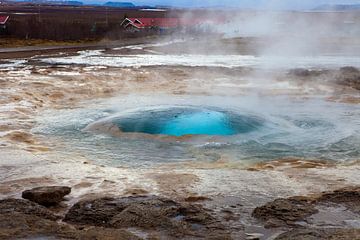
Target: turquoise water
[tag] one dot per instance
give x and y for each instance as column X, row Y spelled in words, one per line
column 201, row 123
column 185, row 120
column 305, row 129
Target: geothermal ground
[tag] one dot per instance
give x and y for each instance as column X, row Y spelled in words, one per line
column 124, row 123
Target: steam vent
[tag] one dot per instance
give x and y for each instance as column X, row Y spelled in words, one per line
column 182, row 120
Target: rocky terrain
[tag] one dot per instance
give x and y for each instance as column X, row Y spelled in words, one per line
column 154, row 217
column 49, row 192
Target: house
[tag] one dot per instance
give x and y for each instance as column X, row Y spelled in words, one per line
column 137, row 24
column 3, row 20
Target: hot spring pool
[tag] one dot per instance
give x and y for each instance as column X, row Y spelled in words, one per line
column 182, row 120
column 144, row 132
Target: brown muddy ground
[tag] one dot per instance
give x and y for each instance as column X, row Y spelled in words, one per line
column 15, row 48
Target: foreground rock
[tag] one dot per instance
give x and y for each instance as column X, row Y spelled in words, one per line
column 345, row 76
column 306, row 73
column 153, row 217
column 291, row 211
column 25, row 207
column 23, row 219
column 349, row 197
column 46, row 196
column 24, row 226
column 321, row 234
column 349, row 76
column 282, row 212
column 151, row 214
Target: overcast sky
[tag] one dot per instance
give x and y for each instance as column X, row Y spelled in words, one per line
column 282, row 4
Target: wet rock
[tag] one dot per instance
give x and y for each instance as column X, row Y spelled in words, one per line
column 290, row 162
column 196, row 199
column 254, row 236
column 96, row 212
column 302, row 72
column 321, row 234
column 149, row 213
column 22, row 226
column 18, row 225
column 105, row 233
column 25, row 207
column 349, row 76
column 282, row 212
column 350, row 197
column 23, row 219
column 286, row 212
column 47, row 196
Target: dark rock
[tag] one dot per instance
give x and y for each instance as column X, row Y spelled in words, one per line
column 321, row 234
column 197, row 199
column 302, row 72
column 282, row 212
column 286, row 212
column 22, row 226
column 349, row 70
column 150, row 213
column 23, row 219
column 98, row 212
column 274, row 223
column 349, row 76
column 254, row 236
column 349, row 197
column 18, row 225
column 26, row 207
column 47, row 196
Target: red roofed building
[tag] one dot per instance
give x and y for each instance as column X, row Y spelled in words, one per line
column 3, row 20
column 148, row 23
column 136, row 24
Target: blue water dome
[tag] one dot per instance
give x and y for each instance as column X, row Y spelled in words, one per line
column 198, row 123
column 184, row 120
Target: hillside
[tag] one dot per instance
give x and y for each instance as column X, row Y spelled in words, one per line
column 338, row 7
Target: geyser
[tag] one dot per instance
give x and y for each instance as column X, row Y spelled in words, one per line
column 250, row 130
column 180, row 121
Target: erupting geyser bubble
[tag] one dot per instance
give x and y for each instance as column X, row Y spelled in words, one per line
column 240, row 130
column 179, row 121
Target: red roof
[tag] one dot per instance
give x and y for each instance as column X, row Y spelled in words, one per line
column 3, row 19
column 169, row 22
column 155, row 22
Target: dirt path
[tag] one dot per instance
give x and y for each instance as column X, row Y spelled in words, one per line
column 29, row 51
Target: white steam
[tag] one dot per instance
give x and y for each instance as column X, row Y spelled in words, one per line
column 297, row 33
